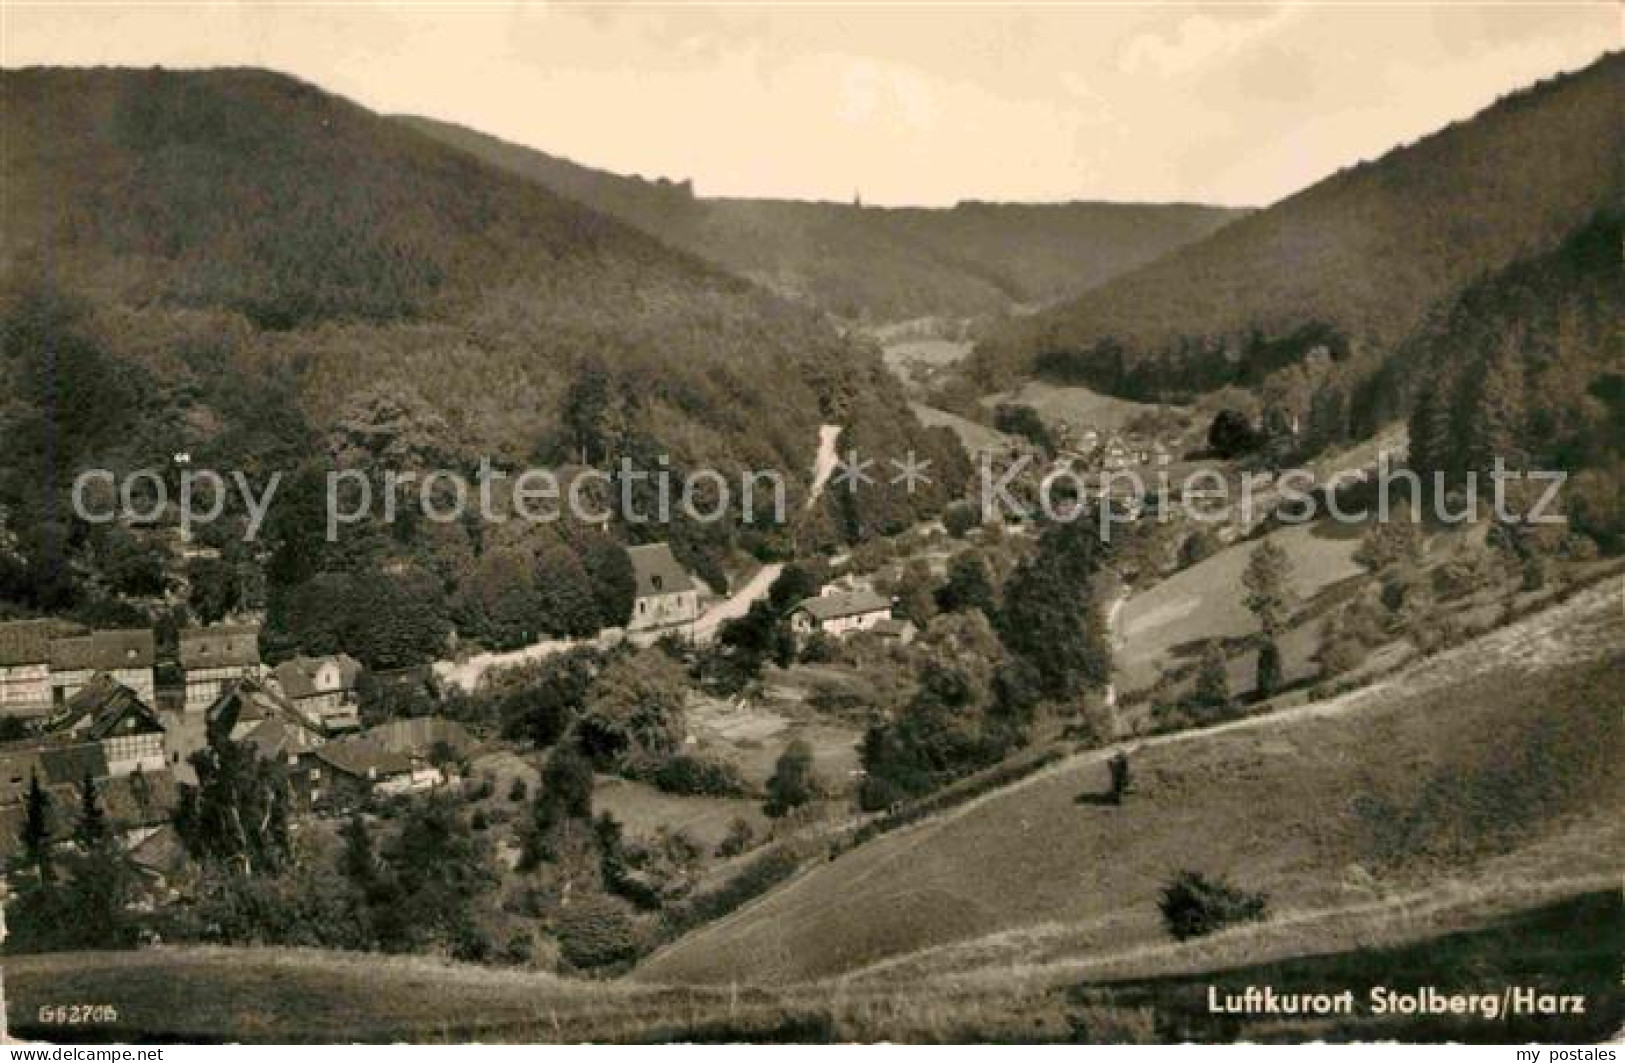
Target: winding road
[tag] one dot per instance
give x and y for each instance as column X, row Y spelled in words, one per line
column 466, row 674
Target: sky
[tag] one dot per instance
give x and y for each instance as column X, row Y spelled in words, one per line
column 927, row 104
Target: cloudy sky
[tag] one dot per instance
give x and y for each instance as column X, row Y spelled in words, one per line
column 927, row 104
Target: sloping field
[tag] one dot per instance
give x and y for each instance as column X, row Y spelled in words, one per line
column 1505, row 745
column 1469, row 803
column 975, row 437
column 290, row 995
column 1558, row 936
column 1165, row 624
column 1079, row 407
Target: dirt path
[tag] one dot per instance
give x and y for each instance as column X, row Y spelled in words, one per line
column 824, row 463
column 736, row 604
column 1117, row 639
column 466, row 674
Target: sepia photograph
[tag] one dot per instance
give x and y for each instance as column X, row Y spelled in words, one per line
column 857, row 524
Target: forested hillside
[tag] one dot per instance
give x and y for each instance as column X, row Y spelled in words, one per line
column 875, row 264
column 1352, row 263
column 1528, row 365
column 237, row 265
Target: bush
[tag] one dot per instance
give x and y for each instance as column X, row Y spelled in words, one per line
column 1199, row 545
column 960, row 518
column 740, row 837
column 597, row 931
column 520, row 949
column 1270, row 671
column 1232, row 434
column 695, row 776
column 793, row 783
column 818, row 648
column 1341, row 654
column 765, row 871
column 1193, row 904
column 471, row 945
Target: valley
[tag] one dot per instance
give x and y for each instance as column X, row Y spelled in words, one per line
column 906, row 760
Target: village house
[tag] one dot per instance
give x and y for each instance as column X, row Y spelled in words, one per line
column 1115, row 454
column 134, row 801
column 158, row 854
column 126, row 655
column 424, row 738
column 256, row 712
column 108, row 712
column 323, row 688
column 213, row 657
column 840, row 612
column 55, row 764
column 891, row 628
column 341, row 775
column 247, row 711
column 25, row 667
column 665, row 594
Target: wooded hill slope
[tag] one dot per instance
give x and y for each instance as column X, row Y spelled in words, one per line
column 1353, row 261
column 875, row 264
column 239, row 266
column 278, row 225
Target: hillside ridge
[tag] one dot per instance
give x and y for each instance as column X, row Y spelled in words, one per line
column 873, row 263
column 1360, row 255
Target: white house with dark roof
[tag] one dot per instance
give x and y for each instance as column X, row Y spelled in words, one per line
column 25, row 667
column 342, row 774
column 249, row 711
column 840, row 612
column 247, row 704
column 111, row 713
column 323, row 688
column 214, row 657
column 665, row 594
column 126, row 655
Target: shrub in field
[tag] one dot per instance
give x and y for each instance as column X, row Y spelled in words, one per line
column 597, row 931
column 793, row 783
column 740, row 837
column 1193, row 904
column 765, row 871
column 960, row 518
column 690, row 775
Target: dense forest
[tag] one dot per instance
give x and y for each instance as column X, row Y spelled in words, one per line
column 1528, row 365
column 876, row 264
column 237, row 266
column 1354, row 261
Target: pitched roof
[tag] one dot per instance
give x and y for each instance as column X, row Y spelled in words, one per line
column 298, row 675
column 248, row 701
column 418, row 735
column 220, row 646
column 656, row 570
column 107, row 705
column 135, row 800
column 26, row 642
column 275, row 739
column 56, row 764
column 363, row 758
column 161, row 851
column 104, row 651
column 844, row 603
